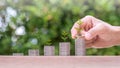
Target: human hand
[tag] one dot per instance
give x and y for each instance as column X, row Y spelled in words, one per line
column 98, row 34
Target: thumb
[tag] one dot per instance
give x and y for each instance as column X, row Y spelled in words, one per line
column 93, row 32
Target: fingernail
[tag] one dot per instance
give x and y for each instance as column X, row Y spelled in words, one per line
column 87, row 36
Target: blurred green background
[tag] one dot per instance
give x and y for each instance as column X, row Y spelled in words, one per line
column 28, row 24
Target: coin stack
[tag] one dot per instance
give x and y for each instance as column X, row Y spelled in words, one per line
column 64, row 49
column 33, row 52
column 80, row 46
column 18, row 54
column 49, row 50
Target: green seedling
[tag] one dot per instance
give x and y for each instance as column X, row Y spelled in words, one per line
column 48, row 42
column 64, row 36
column 78, row 31
column 79, row 22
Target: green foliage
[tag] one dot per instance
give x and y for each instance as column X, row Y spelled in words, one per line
column 64, row 36
column 45, row 19
column 78, row 29
column 79, row 22
column 48, row 42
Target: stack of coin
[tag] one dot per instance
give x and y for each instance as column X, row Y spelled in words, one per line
column 18, row 54
column 64, row 49
column 49, row 50
column 80, row 46
column 33, row 52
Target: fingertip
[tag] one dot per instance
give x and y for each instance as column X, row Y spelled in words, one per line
column 88, row 36
column 73, row 37
column 74, row 33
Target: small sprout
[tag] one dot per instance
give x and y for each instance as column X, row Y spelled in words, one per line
column 64, row 36
column 48, row 42
column 79, row 22
column 78, row 29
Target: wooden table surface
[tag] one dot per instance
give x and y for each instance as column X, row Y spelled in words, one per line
column 59, row 61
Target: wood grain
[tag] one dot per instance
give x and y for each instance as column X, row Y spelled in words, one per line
column 59, row 61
